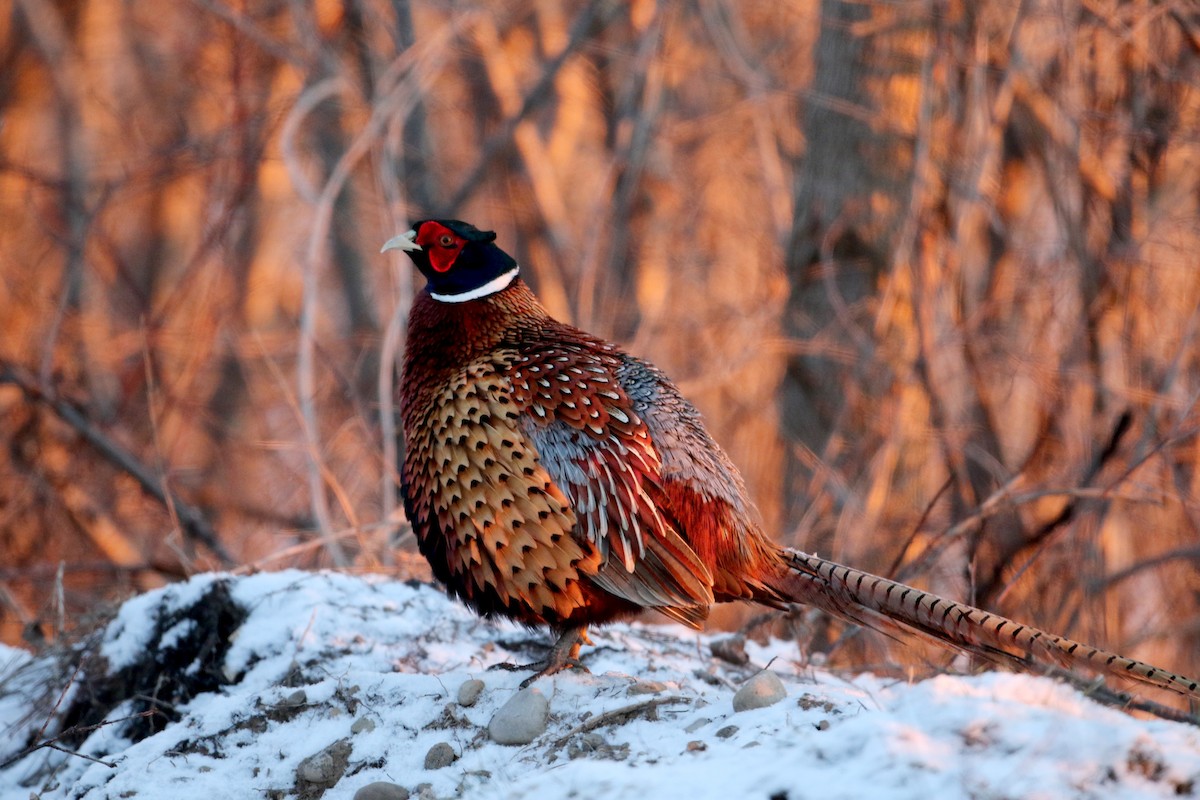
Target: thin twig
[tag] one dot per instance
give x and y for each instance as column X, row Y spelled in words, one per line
column 916, row 528
column 303, row 547
column 74, row 729
column 618, row 715
column 110, row 764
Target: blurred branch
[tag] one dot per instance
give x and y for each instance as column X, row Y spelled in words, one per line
column 502, row 139
column 725, row 29
column 1005, row 498
column 192, row 521
column 251, row 31
column 535, row 159
column 52, row 39
column 390, row 477
column 397, row 87
column 413, row 563
column 407, row 183
column 637, row 111
column 408, row 166
column 1190, row 29
column 7, row 598
column 48, row 572
column 1189, row 553
column 1035, row 541
column 97, row 524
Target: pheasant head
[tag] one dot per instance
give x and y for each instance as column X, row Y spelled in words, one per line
column 459, row 261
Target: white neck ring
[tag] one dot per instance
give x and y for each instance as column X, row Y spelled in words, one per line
column 491, row 287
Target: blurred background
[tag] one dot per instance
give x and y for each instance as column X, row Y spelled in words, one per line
column 929, row 270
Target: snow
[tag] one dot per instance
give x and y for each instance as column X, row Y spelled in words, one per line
column 131, row 631
column 322, row 658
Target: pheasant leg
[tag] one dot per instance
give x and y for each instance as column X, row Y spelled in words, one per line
column 563, row 653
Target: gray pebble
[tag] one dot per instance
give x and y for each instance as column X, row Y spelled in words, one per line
column 469, row 692
column 522, row 719
column 363, row 725
column 296, row 698
column 696, row 725
column 326, row 767
column 440, row 755
column 381, row 790
column 764, row 689
column 727, row 731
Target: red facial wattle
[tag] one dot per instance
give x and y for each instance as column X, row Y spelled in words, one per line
column 442, row 244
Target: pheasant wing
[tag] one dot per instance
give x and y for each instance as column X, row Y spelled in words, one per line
column 600, row 452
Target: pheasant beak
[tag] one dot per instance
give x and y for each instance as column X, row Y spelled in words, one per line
column 404, row 241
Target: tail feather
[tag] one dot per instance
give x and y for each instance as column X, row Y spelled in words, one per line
column 867, row 599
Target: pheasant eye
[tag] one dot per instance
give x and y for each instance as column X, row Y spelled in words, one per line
column 446, row 240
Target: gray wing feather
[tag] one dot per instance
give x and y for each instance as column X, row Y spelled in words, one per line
column 607, row 481
column 688, row 453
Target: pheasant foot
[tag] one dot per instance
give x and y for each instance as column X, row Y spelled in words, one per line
column 563, row 654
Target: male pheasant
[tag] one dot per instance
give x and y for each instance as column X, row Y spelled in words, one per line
column 553, row 478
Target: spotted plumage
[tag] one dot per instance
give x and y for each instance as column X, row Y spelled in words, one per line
column 557, row 480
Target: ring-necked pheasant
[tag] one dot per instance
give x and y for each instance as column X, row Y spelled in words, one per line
column 553, row 478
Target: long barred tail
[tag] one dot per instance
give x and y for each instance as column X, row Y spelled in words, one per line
column 859, row 596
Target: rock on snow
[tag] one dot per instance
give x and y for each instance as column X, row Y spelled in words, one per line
column 522, row 719
column 764, row 689
column 331, row 685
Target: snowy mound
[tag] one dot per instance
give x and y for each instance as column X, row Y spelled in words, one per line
column 309, row 685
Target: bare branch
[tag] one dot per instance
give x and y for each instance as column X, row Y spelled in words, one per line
column 193, row 522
